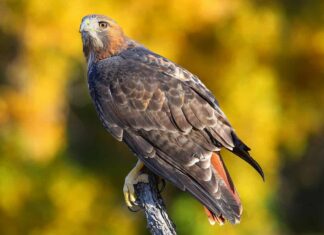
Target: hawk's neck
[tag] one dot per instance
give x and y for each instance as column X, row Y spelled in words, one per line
column 113, row 48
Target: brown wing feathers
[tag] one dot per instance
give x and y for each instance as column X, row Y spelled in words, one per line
column 218, row 164
column 199, row 178
column 171, row 123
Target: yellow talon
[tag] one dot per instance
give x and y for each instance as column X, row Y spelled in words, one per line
column 134, row 176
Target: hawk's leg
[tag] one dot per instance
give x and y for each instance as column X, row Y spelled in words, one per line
column 134, row 176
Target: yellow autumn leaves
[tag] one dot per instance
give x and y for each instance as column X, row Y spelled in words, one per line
column 263, row 63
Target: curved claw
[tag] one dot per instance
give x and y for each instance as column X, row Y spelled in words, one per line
column 134, row 209
column 135, row 176
column 162, row 181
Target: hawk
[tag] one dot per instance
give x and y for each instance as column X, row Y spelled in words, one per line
column 166, row 116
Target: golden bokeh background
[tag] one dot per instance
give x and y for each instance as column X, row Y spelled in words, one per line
column 61, row 173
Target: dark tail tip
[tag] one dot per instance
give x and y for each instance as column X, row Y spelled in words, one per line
column 247, row 157
column 242, row 150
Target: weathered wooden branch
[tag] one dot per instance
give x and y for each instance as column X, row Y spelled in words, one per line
column 150, row 200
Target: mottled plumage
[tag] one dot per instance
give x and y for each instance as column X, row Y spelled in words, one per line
column 165, row 114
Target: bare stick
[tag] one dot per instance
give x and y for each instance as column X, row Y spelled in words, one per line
column 150, row 200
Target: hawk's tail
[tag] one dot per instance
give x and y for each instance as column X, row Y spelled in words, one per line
column 242, row 151
column 221, row 171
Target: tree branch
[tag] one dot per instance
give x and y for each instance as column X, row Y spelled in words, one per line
column 150, row 200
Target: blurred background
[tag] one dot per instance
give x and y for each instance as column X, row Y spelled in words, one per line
column 61, row 173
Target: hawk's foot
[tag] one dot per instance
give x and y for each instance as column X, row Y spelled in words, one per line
column 135, row 176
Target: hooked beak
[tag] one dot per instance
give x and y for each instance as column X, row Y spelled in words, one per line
column 86, row 26
column 88, row 30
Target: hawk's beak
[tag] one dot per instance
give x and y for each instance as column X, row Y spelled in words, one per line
column 86, row 26
column 88, row 30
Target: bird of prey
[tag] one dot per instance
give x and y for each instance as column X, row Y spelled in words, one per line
column 166, row 116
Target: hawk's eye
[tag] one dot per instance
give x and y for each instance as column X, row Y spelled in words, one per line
column 103, row 24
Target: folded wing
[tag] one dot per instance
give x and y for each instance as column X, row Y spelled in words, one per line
column 172, row 123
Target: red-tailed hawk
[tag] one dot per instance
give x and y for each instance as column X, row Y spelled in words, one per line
column 165, row 115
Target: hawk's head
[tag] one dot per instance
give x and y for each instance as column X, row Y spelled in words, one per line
column 101, row 36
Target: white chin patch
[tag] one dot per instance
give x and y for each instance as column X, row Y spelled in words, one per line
column 95, row 39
